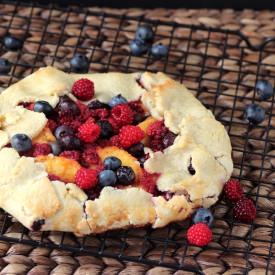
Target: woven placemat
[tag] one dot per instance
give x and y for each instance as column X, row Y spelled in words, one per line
column 257, row 26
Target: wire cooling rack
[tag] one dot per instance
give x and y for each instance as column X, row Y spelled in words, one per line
column 221, row 68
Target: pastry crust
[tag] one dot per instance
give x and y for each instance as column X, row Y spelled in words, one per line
column 28, row 194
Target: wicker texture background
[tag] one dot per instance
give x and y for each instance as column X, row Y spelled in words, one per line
column 228, row 252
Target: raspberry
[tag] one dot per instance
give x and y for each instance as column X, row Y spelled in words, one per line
column 157, row 130
column 72, row 154
column 123, row 114
column 90, row 156
column 244, row 210
column 199, row 234
column 83, row 89
column 85, row 113
column 86, row 178
column 148, row 182
column 53, row 177
column 115, row 141
column 233, row 190
column 136, row 106
column 114, row 124
column 100, row 113
column 41, row 149
column 129, row 135
column 51, row 124
column 156, row 144
column 89, row 131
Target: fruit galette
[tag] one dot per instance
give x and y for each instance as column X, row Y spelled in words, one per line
column 89, row 153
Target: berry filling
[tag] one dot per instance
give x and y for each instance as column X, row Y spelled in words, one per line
column 96, row 144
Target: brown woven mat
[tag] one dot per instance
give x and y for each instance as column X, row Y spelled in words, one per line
column 205, row 67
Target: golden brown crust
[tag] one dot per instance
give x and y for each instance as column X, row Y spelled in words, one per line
column 28, row 194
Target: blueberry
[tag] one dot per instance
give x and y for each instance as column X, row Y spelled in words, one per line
column 21, row 143
column 168, row 139
column 138, row 117
column 254, row 113
column 138, row 47
column 203, row 215
column 96, row 104
column 125, row 175
column 66, row 105
column 5, row 66
column 12, row 43
column 159, row 50
column 70, row 142
column 112, row 163
column 107, row 178
column 145, row 33
column 79, row 63
column 43, row 107
column 62, row 131
column 137, row 150
column 116, row 100
column 264, row 89
column 106, row 128
column 56, row 148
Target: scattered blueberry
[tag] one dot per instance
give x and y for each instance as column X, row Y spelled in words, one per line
column 107, row 178
column 106, row 129
column 56, row 148
column 62, row 131
column 79, row 63
column 12, row 43
column 66, row 105
column 145, row 33
column 254, row 113
column 138, row 47
column 21, row 143
column 96, row 104
column 264, row 89
column 138, row 117
column 159, row 50
column 137, row 150
column 112, row 163
column 70, row 142
column 203, row 215
column 43, row 107
column 5, row 66
column 125, row 175
column 116, row 100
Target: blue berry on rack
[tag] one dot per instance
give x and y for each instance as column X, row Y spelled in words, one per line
column 5, row 66
column 264, row 89
column 145, row 33
column 159, row 50
column 138, row 47
column 42, row 106
column 12, row 43
column 21, row 143
column 116, row 100
column 203, row 215
column 79, row 63
column 107, row 178
column 254, row 113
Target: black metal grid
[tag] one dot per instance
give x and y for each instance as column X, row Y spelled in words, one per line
column 214, row 92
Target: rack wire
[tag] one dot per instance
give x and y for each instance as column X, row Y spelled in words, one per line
column 220, row 67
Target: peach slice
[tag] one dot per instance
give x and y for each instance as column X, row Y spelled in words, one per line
column 144, row 126
column 45, row 136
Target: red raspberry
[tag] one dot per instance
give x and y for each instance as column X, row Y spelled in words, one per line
column 148, row 181
column 129, row 135
column 100, row 113
column 199, row 234
column 29, row 106
column 114, row 124
column 115, row 141
column 53, row 177
column 85, row 112
column 90, row 156
column 244, row 210
column 51, row 124
column 123, row 114
column 86, row 178
column 156, row 144
column 72, row 154
column 83, row 89
column 136, row 106
column 41, row 149
column 233, row 191
column 89, row 131
column 157, row 130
